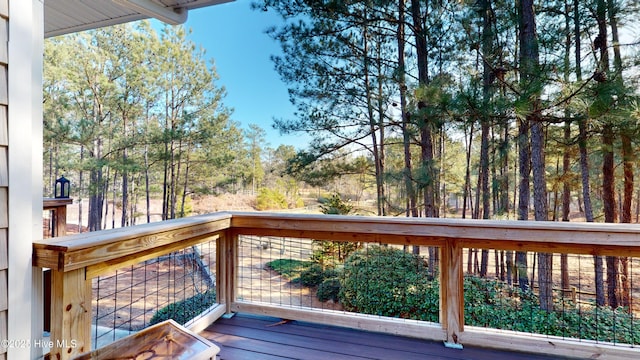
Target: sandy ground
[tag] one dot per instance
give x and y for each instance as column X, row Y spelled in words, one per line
column 77, row 213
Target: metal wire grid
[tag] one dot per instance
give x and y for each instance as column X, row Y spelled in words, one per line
column 575, row 313
column 127, row 300
column 259, row 282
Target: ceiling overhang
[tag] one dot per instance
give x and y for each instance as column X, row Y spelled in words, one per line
column 68, row 16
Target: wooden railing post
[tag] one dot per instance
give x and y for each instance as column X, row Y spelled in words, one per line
column 70, row 314
column 227, row 260
column 59, row 209
column 452, row 292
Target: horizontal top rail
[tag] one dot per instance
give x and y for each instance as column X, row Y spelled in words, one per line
column 90, row 249
column 560, row 237
column 83, row 250
column 52, row 203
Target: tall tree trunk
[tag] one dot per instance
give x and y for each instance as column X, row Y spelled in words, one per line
column 608, row 165
column 381, row 129
column 412, row 209
column 105, row 192
column 530, row 64
column 610, row 211
column 174, row 170
column 504, row 171
column 80, row 189
column 467, row 176
column 528, row 56
column 467, row 187
column 566, row 202
column 588, row 208
column 487, row 92
column 165, row 177
column 584, row 159
column 147, row 192
column 428, row 177
column 372, row 123
column 134, row 201
column 628, row 158
column 96, row 198
column 114, row 199
column 125, row 180
column 566, row 156
column 524, row 170
column 185, row 187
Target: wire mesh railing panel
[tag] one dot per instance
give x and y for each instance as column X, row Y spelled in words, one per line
column 179, row 286
column 374, row 279
column 567, row 295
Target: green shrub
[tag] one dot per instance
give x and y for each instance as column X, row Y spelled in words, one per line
column 188, row 207
column 315, row 275
column 492, row 303
column 185, row 310
column 389, row 282
column 332, row 253
column 312, row 276
column 268, row 199
column 289, row 268
column 329, row 289
column 336, row 206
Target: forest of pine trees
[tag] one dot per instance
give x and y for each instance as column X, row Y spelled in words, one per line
column 524, row 110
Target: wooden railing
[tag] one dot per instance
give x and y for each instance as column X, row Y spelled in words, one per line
column 75, row 260
column 58, row 208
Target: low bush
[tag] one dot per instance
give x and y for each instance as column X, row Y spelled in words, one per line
column 312, row 276
column 268, row 199
column 329, row 289
column 389, row 282
column 185, row 310
column 492, row 303
column 315, row 275
column 289, row 268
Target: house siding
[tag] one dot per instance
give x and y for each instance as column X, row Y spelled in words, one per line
column 4, row 174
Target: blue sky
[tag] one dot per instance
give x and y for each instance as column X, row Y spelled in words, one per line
column 234, row 36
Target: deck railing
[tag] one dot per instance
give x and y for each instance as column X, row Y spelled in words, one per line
column 75, row 260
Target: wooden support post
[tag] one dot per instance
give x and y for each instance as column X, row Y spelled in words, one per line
column 60, row 214
column 70, row 314
column 227, row 260
column 452, row 292
column 221, row 273
column 232, row 264
column 59, row 209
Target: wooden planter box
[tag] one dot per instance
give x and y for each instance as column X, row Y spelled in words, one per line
column 166, row 340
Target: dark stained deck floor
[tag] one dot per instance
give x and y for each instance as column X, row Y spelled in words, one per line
column 262, row 338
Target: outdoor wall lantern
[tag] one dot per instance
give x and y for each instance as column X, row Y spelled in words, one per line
column 62, row 188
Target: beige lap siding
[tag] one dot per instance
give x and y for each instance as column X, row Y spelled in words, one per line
column 4, row 174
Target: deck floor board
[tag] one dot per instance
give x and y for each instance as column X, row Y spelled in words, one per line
column 247, row 337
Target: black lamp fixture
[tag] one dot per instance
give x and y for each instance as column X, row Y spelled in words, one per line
column 62, row 188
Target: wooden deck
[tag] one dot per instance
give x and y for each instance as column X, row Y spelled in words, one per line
column 263, row 338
